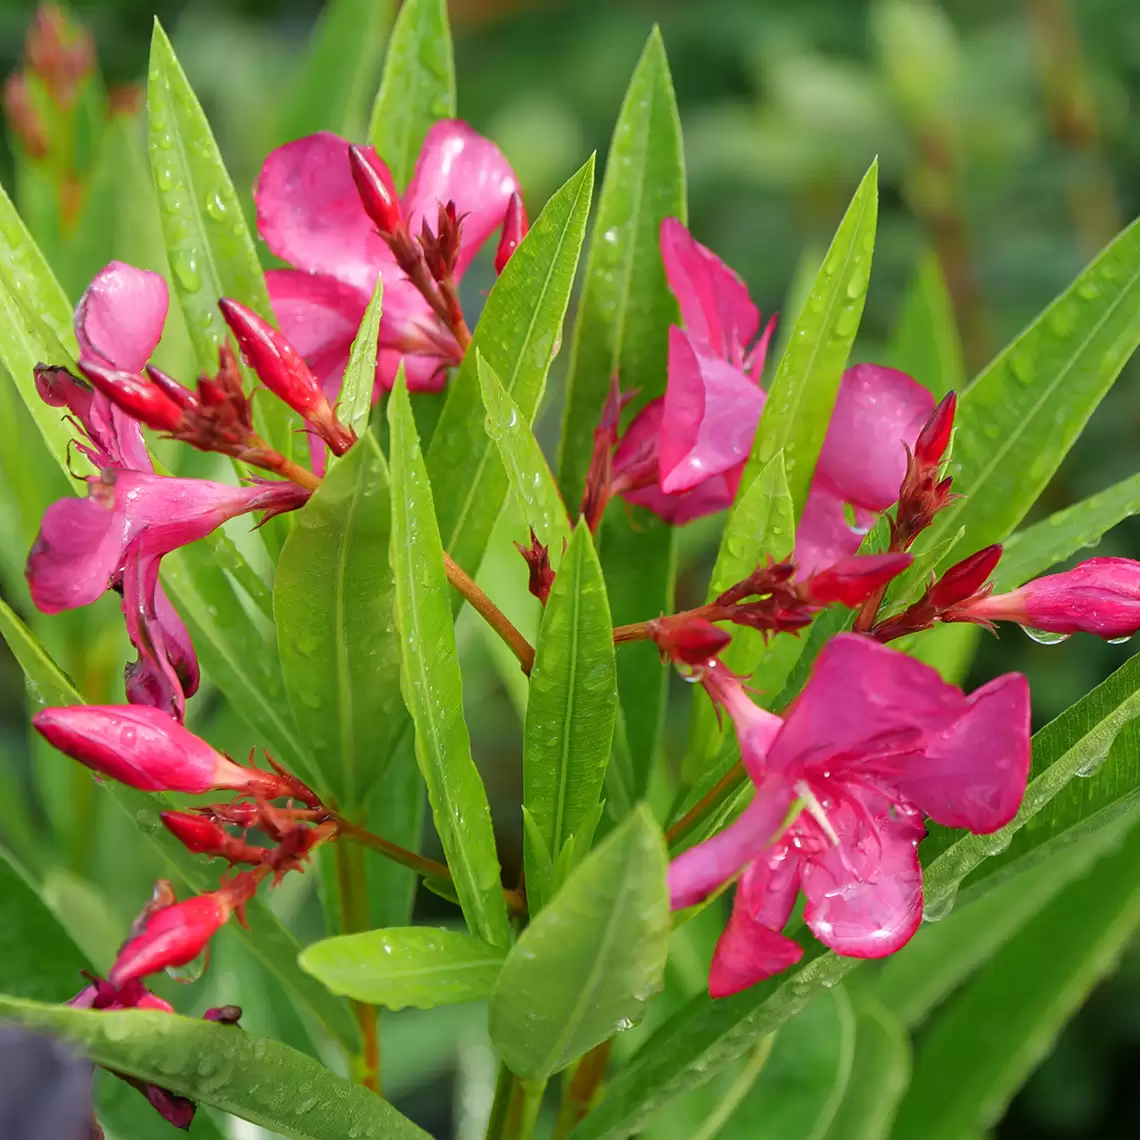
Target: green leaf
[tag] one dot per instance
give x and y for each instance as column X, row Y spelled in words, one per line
column 585, row 966
column 355, row 400
column 535, row 491
column 977, row 1053
column 573, row 701
column 266, row 937
column 878, row 1079
column 1018, row 419
column 418, row 87
column 517, row 335
column 334, row 600
column 626, row 307
column 330, row 91
column 803, row 390
column 432, row 686
column 254, row 1078
column 411, row 965
column 925, row 343
column 208, row 243
column 1041, row 546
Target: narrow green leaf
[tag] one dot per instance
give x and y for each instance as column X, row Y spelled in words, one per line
column 517, row 335
column 412, row 965
column 418, row 87
column 330, row 91
column 432, row 686
column 266, row 937
column 803, row 390
column 1039, row 547
column 254, row 1078
column 535, row 491
column 334, row 601
column 977, row 1053
column 208, row 243
column 355, row 400
column 585, row 967
column 626, row 307
column 573, row 701
column 1018, row 419
column 925, row 343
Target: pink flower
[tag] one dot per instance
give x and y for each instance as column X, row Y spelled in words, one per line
column 1100, row 596
column 683, row 456
column 875, row 741
column 172, row 936
column 310, row 214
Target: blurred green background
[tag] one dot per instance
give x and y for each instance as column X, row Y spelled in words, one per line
column 1009, row 149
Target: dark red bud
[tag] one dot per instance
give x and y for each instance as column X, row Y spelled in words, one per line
column 183, row 397
column 934, row 438
column 375, row 187
column 196, row 833
column 688, row 640
column 851, row 581
column 223, row 1014
column 538, row 563
column 965, row 578
column 23, row 118
column 515, row 228
column 136, row 395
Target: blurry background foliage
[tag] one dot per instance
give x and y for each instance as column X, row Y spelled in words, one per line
column 1009, row 148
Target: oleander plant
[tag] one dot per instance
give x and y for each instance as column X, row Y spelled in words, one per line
column 298, row 451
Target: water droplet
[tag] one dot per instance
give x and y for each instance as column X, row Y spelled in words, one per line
column 1120, row 640
column 937, row 908
column 186, row 270
column 1090, row 765
column 1088, row 289
column 847, row 322
column 857, row 286
column 1063, row 319
column 216, row 207
column 996, row 843
column 1045, row 636
column 193, row 970
column 1023, row 367
column 164, row 178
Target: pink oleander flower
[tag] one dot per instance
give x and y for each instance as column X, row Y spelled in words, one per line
column 1100, row 596
column 310, row 214
column 102, row 995
column 146, row 748
column 684, row 454
column 875, row 741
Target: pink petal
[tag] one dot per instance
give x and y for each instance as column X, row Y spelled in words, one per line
column 459, row 165
column 751, row 947
column 973, row 775
column 148, row 681
column 309, row 213
column 864, row 897
column 151, row 680
column 700, row 870
column 715, row 306
column 405, row 313
column 119, row 318
column 877, row 412
column 710, row 416
column 823, row 536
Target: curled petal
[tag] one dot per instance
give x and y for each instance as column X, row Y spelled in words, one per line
column 824, row 535
column 119, row 318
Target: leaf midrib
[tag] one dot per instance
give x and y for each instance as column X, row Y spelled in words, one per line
column 568, row 713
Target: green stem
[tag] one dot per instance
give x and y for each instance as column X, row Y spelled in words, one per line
column 522, row 1112
column 352, row 887
column 579, row 1090
column 498, row 1118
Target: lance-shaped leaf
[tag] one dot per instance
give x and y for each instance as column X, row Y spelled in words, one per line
column 535, row 491
column 976, row 1053
column 1018, row 419
column 925, row 343
column 334, row 601
column 432, row 686
column 355, row 400
column 585, row 967
column 254, row 1078
column 418, row 87
column 406, row 966
column 804, row 388
column 518, row 335
column 265, row 936
column 208, row 243
column 570, row 713
column 331, row 89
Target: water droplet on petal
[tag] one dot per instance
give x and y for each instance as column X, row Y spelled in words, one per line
column 1045, row 636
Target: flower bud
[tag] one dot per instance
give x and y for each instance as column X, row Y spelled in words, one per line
column 183, row 397
column 851, row 581
column 965, row 578
column 375, row 187
column 538, row 562
column 688, row 640
column 139, row 398
column 204, row 837
column 172, row 936
column 934, row 438
column 514, row 230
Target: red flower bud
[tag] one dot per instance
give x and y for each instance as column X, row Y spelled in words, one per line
column 965, row 578
column 136, row 395
column 172, row 936
column 851, row 581
column 204, row 837
column 688, row 640
column 183, row 397
column 375, row 187
column 538, row 562
column 515, row 227
column 934, row 438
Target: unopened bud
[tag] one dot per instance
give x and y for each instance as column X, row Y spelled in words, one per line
column 24, row 120
column 204, row 837
column 852, row 580
column 538, row 563
column 515, row 227
column 934, row 438
column 965, row 578
column 688, row 640
column 170, row 387
column 171, row 937
column 375, row 187
column 135, row 394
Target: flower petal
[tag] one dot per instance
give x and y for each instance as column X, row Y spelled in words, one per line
column 119, row 318
column 715, row 306
column 864, row 897
column 309, row 212
column 459, row 165
column 710, row 416
column 877, row 411
column 824, row 536
column 151, row 680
